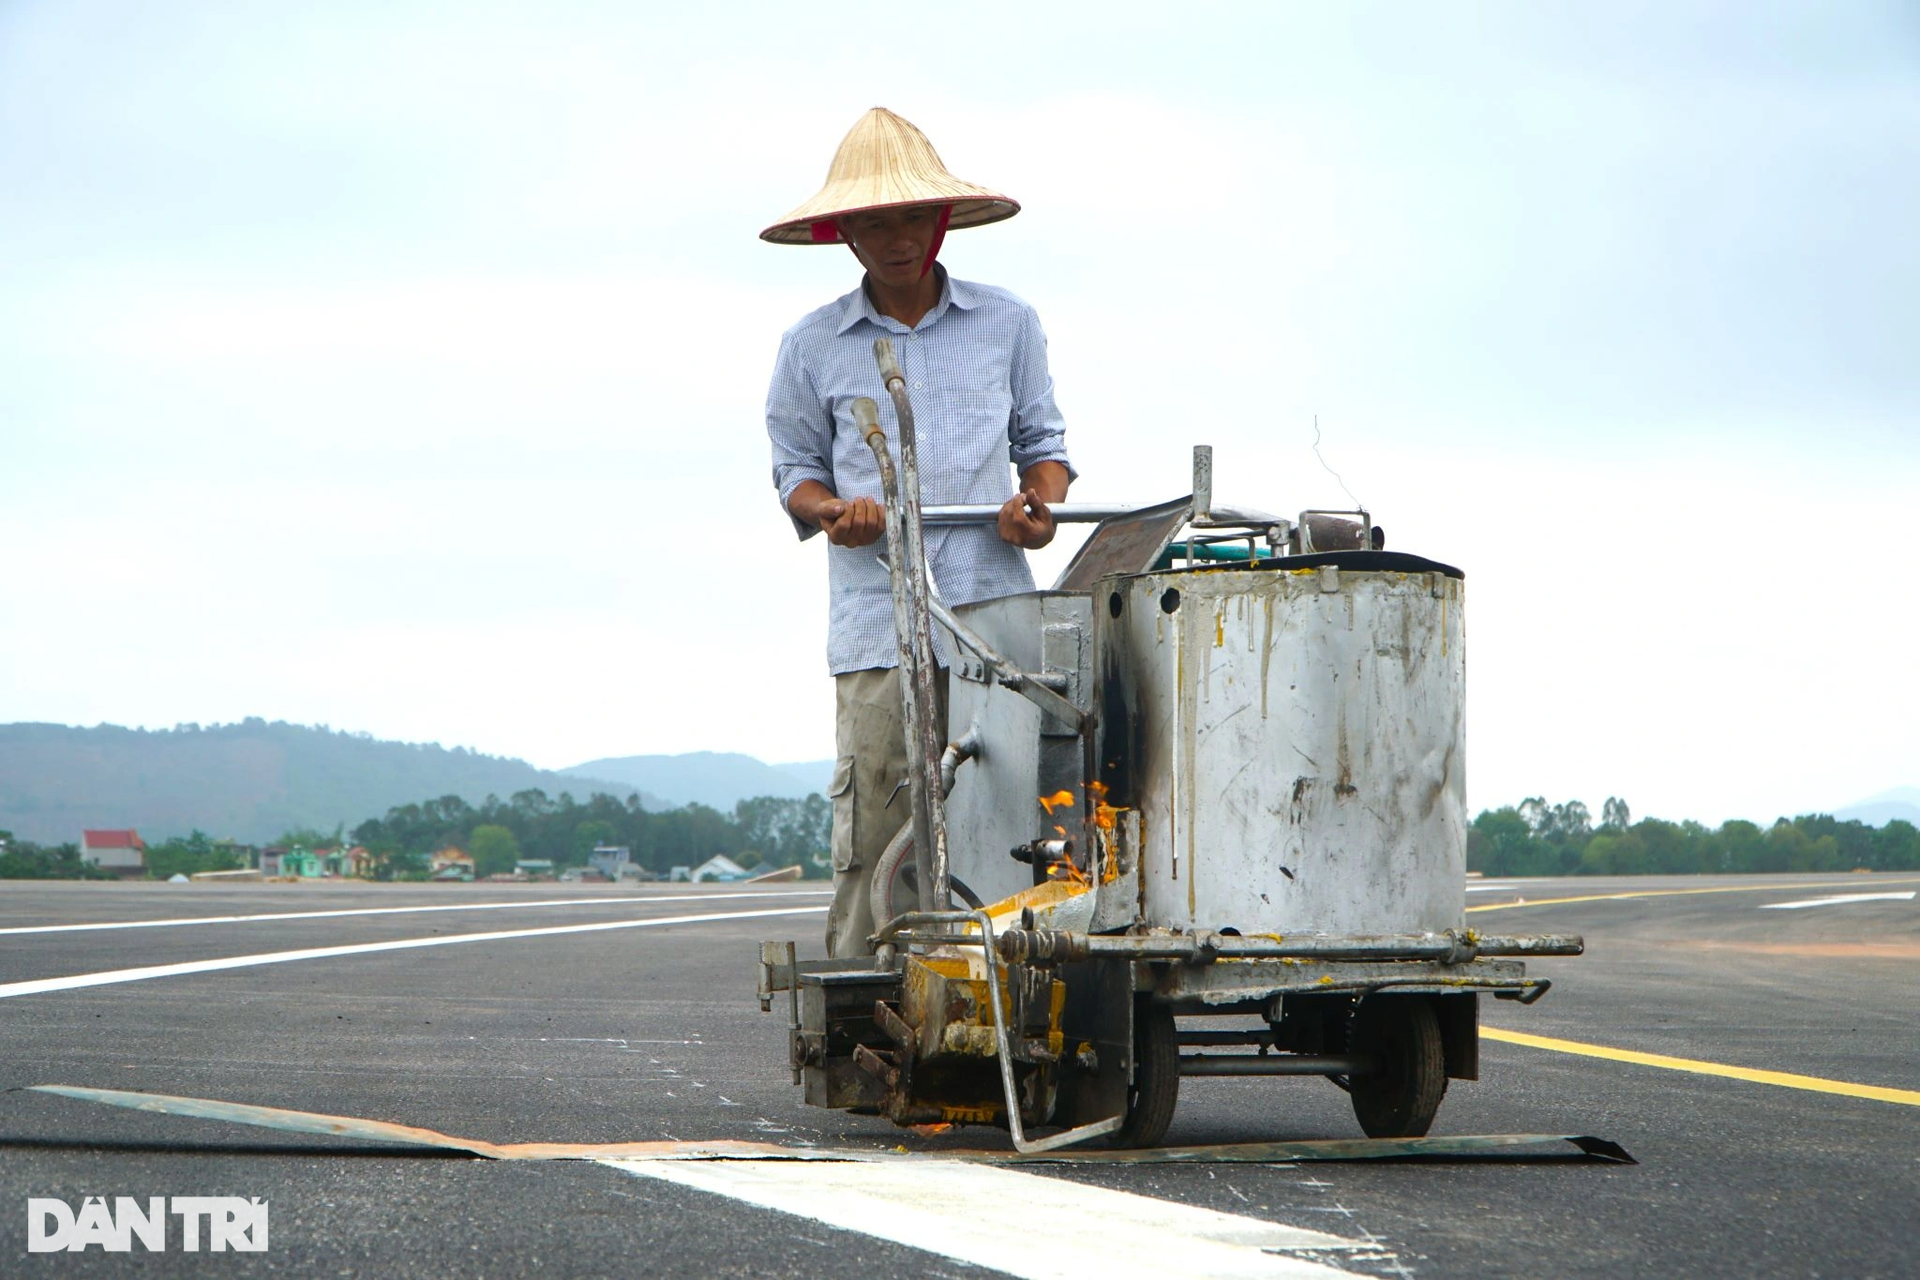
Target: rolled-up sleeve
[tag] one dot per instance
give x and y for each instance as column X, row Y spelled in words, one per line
column 800, row 428
column 1035, row 430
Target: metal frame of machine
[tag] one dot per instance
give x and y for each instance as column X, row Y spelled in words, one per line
column 1091, row 767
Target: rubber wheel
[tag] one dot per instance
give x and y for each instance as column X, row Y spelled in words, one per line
column 1402, row 1036
column 1156, row 1077
column 894, row 889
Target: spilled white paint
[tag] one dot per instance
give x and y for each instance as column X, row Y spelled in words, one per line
column 41, row 986
column 602, row 901
column 1840, row 900
column 1019, row 1223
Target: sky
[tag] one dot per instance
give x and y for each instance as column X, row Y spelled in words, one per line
column 400, row 366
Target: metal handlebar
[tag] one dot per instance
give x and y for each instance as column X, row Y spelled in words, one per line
column 913, row 628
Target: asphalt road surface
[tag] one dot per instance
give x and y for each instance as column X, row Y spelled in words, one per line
column 1758, row 1059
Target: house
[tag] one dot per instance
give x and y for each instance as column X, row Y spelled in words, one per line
column 607, row 859
column 451, row 864
column 243, row 855
column 123, row 852
column 533, row 869
column 299, row 861
column 350, row 863
column 719, row 867
column 277, row 860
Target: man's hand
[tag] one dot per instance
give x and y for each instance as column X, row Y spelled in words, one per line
column 858, row 523
column 1025, row 521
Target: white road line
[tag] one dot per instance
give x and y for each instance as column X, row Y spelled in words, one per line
column 396, row 911
column 1840, row 899
column 40, row 986
column 1020, row 1223
column 1491, row 888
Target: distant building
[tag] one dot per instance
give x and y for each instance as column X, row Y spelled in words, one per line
column 243, row 855
column 349, row 863
column 534, row 868
column 123, row 852
column 607, row 859
column 719, row 867
column 273, row 860
column 451, row 864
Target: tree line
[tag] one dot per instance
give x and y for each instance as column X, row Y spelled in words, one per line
column 763, row 832
column 1532, row 838
column 766, row 831
column 1535, row 838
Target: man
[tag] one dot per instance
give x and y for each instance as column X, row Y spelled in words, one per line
column 975, row 360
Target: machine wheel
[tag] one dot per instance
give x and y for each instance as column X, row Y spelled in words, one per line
column 894, row 889
column 1402, row 1035
column 1155, row 1087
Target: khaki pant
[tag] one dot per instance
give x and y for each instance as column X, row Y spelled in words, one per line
column 869, row 795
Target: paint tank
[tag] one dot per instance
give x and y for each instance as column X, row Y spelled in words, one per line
column 1290, row 744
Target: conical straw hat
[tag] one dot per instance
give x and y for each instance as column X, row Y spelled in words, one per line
column 883, row 162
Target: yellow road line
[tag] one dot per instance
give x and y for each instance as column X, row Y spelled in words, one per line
column 1681, row 893
column 1785, row 1079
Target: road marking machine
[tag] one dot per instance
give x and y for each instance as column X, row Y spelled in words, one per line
column 1216, row 772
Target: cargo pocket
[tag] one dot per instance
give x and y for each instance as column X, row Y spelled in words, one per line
column 840, row 792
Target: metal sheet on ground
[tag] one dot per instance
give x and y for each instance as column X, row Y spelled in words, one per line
column 288, row 1121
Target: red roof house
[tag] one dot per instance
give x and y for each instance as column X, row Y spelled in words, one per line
column 122, row 851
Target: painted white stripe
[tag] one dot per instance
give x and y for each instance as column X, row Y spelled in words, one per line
column 1840, row 899
column 649, row 899
column 39, row 986
column 1019, row 1223
column 1491, row 888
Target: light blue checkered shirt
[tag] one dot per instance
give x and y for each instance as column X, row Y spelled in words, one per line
column 976, row 369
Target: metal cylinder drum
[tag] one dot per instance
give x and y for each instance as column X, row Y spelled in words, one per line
column 1291, row 743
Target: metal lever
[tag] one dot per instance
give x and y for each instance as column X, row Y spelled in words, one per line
column 913, row 628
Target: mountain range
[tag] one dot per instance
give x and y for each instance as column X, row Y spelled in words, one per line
column 250, row 781
column 256, row 780
column 718, row 779
column 1878, row 811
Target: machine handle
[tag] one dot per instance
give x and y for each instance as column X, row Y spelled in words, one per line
column 866, row 416
column 889, row 364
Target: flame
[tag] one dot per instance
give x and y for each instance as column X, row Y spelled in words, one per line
column 1058, row 800
column 930, row 1130
column 1058, row 830
column 1103, row 813
column 1068, row 872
